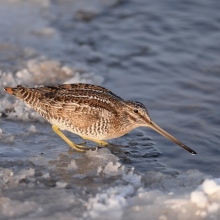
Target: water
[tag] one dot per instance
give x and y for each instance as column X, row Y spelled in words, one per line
column 165, row 55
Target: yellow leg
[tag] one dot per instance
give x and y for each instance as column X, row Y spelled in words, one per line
column 71, row 144
column 102, row 143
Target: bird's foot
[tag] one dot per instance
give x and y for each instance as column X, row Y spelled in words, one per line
column 82, row 144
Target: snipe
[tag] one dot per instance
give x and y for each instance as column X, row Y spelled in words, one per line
column 92, row 112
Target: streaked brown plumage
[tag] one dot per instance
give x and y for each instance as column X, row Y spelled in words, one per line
column 93, row 112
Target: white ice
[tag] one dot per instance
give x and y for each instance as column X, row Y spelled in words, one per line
column 123, row 194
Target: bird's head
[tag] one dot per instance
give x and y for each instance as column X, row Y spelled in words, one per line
column 138, row 115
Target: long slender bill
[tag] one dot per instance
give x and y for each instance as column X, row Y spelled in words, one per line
column 167, row 135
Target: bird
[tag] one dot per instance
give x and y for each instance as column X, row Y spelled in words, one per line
column 90, row 111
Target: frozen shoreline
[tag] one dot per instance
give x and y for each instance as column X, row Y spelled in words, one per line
column 69, row 186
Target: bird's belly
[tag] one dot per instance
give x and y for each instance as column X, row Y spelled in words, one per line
column 101, row 128
column 94, row 131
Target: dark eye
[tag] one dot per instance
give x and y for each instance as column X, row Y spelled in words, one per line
column 135, row 111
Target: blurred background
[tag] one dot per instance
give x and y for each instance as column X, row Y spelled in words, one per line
column 164, row 54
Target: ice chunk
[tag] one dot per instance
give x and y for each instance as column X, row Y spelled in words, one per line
column 104, row 154
column 111, row 169
column 60, row 185
column 109, row 203
column 42, row 71
column 5, row 176
column 133, row 178
column 185, row 202
column 210, row 187
column 46, row 175
column 6, row 79
column 199, row 198
column 27, row 173
column 72, row 166
column 23, row 174
column 39, row 160
column 33, row 130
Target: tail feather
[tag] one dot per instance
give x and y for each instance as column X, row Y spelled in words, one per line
column 10, row 90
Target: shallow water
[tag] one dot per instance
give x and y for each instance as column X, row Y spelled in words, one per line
column 165, row 55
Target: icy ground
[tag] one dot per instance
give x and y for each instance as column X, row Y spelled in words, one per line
column 97, row 186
